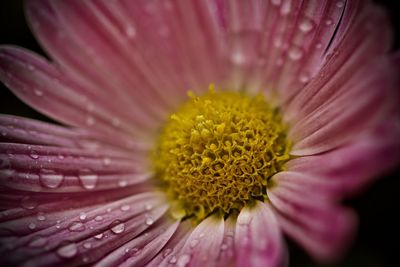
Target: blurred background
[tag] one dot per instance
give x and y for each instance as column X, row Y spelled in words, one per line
column 378, row 239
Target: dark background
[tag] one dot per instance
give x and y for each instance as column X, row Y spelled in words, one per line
column 378, row 240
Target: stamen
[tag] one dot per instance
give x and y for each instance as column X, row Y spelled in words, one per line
column 218, row 152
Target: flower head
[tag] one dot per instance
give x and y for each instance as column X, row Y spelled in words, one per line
column 196, row 133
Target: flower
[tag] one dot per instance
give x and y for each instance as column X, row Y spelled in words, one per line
column 153, row 168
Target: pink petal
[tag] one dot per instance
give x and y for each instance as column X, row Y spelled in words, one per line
column 50, row 91
column 104, row 227
column 227, row 256
column 258, row 239
column 174, row 244
column 322, row 229
column 175, row 54
column 55, row 169
column 142, row 249
column 347, row 170
column 201, row 247
column 354, row 109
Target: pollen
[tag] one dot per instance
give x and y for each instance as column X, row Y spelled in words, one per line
column 218, row 151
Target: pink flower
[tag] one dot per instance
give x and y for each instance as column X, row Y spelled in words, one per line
column 302, row 113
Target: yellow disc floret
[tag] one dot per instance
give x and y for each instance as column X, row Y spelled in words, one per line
column 218, row 152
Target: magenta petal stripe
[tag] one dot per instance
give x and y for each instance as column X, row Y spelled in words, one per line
column 258, row 239
column 227, row 254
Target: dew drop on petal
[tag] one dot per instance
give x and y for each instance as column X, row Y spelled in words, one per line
column 117, row 227
column 148, row 207
column 37, row 242
column 90, row 120
column 32, row 226
column 130, row 32
column 167, row 252
column 183, row 260
column 41, row 217
column 149, row 221
column 67, row 251
column 122, row 183
column 50, row 178
column 82, row 216
column 87, row 245
column 306, row 25
column 38, row 92
column 295, row 53
column 173, row 260
column 224, row 247
column 244, row 219
column 99, row 236
column 328, row 22
column 34, row 154
column 194, row 243
column 276, row 2
column 125, row 207
column 106, row 161
column 98, row 218
column 88, row 181
column 76, row 227
column 340, row 4
column 28, row 203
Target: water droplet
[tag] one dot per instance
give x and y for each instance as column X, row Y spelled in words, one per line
column 85, row 259
column 238, row 58
column 32, row 226
column 286, row 8
column 295, row 53
column 304, row 78
column 88, row 181
column 50, row 178
column 194, row 243
column 224, row 247
column 31, row 67
column 82, row 216
column 115, row 122
column 38, row 92
column 28, row 203
column 122, row 183
column 108, row 210
column 87, row 245
column 328, row 22
column 67, row 251
column 98, row 218
column 149, row 221
column 106, row 161
column 34, row 154
column 118, row 227
column 90, row 120
column 99, row 236
column 340, row 4
column 167, row 252
column 183, row 260
column 306, row 25
column 276, row 2
column 41, row 217
column 318, row 45
column 130, row 32
column 244, row 219
column 37, row 242
column 60, row 156
column 173, row 260
column 76, row 227
column 148, row 207
column 125, row 207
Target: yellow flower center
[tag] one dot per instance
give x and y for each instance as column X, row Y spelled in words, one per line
column 218, row 152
